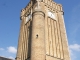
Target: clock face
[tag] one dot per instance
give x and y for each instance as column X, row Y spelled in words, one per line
column 28, row 18
column 51, row 15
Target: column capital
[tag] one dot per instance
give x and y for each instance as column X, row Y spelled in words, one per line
column 39, row 8
column 38, row 13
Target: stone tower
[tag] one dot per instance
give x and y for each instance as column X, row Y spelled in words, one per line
column 42, row 32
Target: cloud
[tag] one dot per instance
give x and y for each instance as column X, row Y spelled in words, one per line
column 73, row 35
column 12, row 49
column 9, row 52
column 12, row 57
column 71, row 52
column 1, row 49
column 75, row 47
column 72, row 55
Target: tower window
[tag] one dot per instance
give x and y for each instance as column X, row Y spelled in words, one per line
column 37, row 36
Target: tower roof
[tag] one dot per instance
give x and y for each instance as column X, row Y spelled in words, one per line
column 39, row 0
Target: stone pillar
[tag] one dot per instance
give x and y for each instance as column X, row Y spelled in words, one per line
column 63, row 36
column 38, row 41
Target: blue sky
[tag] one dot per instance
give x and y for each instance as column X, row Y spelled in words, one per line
column 10, row 25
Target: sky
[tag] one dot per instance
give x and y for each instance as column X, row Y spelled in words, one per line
column 10, row 26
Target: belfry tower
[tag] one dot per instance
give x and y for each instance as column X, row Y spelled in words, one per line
column 42, row 32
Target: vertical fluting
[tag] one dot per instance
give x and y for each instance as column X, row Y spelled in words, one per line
column 37, row 41
column 46, row 35
column 63, row 36
column 19, row 46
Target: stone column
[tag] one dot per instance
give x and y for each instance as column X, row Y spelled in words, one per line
column 38, row 41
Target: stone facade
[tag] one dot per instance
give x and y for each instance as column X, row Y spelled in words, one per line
column 42, row 32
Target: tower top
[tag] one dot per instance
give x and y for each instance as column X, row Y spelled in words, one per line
column 39, row 0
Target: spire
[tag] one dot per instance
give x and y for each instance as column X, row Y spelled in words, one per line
column 37, row 0
column 40, row 0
